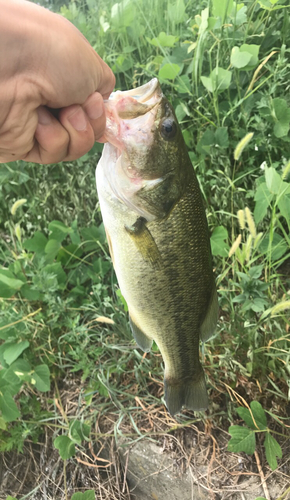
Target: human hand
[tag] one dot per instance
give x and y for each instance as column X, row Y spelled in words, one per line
column 45, row 62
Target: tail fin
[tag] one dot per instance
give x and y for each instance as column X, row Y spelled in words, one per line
column 191, row 393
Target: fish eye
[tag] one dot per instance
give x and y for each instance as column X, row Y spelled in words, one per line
column 168, row 129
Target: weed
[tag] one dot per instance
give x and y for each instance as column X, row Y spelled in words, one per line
column 225, row 67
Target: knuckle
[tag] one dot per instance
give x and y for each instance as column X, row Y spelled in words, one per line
column 81, row 144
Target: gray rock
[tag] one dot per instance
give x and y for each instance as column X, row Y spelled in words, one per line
column 155, row 475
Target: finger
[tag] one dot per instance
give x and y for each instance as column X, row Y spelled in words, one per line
column 103, row 77
column 51, row 139
column 81, row 133
column 95, row 110
column 108, row 80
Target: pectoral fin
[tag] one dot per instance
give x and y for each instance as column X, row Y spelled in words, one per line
column 144, row 241
column 209, row 323
column 142, row 340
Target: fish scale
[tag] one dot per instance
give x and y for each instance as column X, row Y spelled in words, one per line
column 159, row 243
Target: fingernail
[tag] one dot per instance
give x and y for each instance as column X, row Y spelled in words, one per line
column 95, row 110
column 78, row 119
column 44, row 117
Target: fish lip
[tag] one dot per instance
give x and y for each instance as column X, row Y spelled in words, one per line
column 148, row 97
column 142, row 94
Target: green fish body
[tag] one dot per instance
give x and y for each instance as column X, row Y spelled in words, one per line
column 158, row 237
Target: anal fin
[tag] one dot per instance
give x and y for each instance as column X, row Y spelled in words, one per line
column 142, row 340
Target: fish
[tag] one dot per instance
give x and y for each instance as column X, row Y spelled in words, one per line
column 158, row 237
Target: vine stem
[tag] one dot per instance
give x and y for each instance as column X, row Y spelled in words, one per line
column 263, row 480
column 284, row 494
column 64, row 479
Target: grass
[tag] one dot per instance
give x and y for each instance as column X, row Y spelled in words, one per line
column 61, row 315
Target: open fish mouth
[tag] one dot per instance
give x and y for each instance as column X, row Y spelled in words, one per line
column 142, row 94
column 130, row 111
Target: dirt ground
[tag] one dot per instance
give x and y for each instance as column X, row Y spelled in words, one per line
column 169, row 462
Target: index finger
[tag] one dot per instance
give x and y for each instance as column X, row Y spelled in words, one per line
column 107, row 81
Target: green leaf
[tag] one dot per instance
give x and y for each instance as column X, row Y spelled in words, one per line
column 282, row 115
column 56, row 269
column 59, row 231
column 268, row 5
column 222, row 137
column 206, row 142
column 41, row 378
column 18, row 371
column 13, row 351
column 8, row 332
column 254, row 51
column 256, row 271
column 87, row 495
column 163, row 40
column 93, row 236
column 8, row 407
column 169, row 71
column 78, row 431
column 277, row 248
column 37, row 243
column 8, row 283
column 222, row 8
column 122, row 299
column 281, row 129
column 218, row 242
column 263, row 198
column 28, row 293
column 218, row 80
column 11, row 498
column 9, row 381
column 282, row 112
column 123, row 14
column 240, row 59
column 258, row 414
column 284, row 207
column 65, row 446
column 273, row 180
column 202, row 21
column 52, row 248
column 273, row 450
column 100, row 267
column 246, row 416
column 181, row 111
column 123, row 63
column 21, row 365
column 183, row 84
column 176, row 12
column 241, row 15
column 57, row 225
column 243, row 439
column 3, row 425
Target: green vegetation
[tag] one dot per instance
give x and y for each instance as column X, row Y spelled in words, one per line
column 225, row 67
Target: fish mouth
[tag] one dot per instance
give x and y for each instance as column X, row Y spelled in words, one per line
column 131, row 121
column 141, row 94
column 131, row 110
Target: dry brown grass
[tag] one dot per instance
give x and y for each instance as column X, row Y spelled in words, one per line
column 197, row 446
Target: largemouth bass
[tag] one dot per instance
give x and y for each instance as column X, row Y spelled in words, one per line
column 158, row 237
